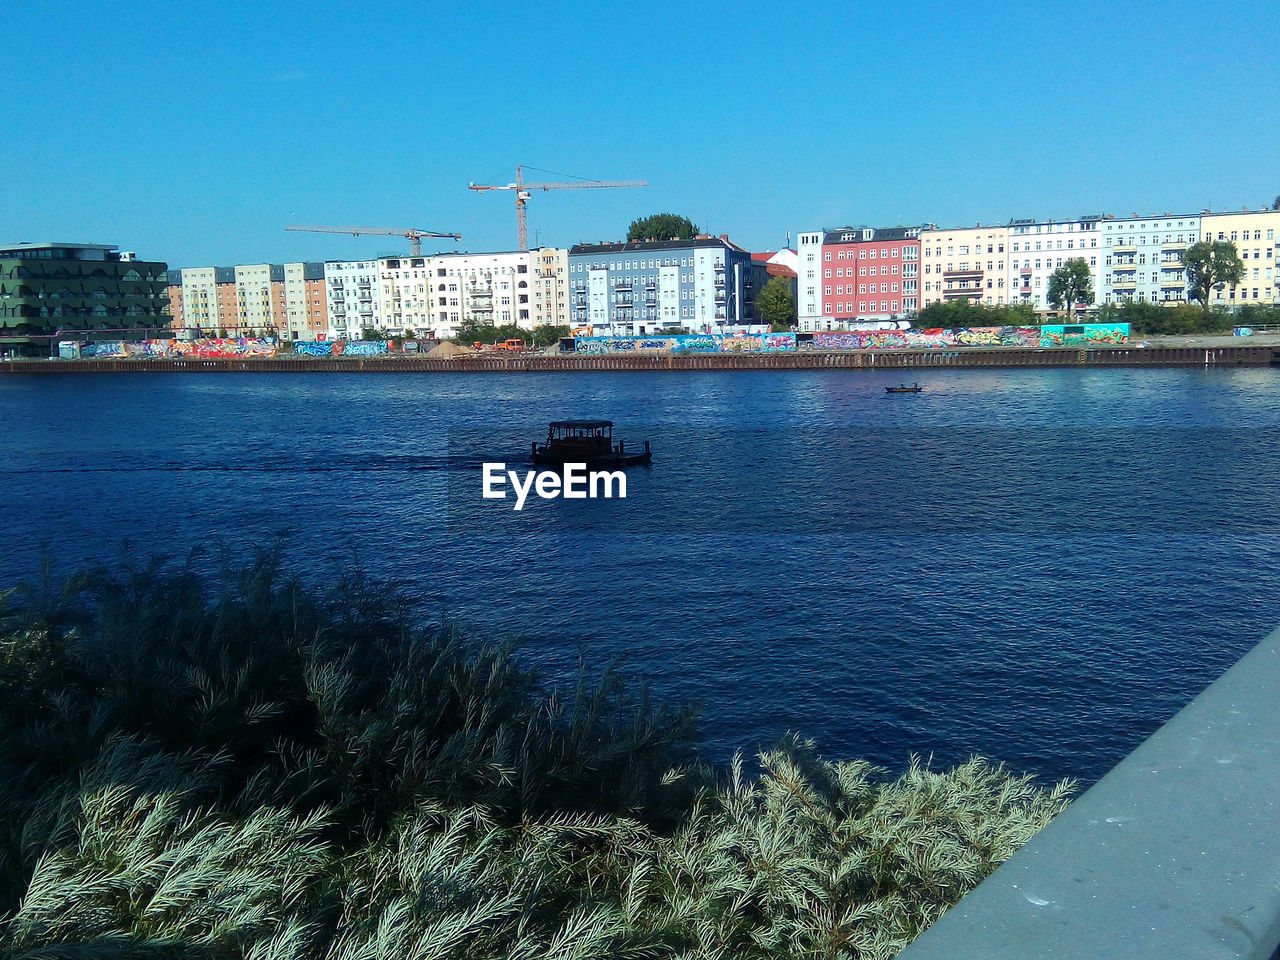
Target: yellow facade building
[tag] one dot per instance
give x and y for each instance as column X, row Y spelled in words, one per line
column 967, row 262
column 1255, row 235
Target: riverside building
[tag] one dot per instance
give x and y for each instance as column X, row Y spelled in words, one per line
column 648, row 286
column 404, row 295
column 351, row 298
column 265, row 299
column 869, row 274
column 808, row 284
column 1254, row 233
column 964, row 263
column 1142, row 258
column 52, row 288
column 482, row 289
column 1039, row 247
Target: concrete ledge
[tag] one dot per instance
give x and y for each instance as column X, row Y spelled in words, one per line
column 1174, row 854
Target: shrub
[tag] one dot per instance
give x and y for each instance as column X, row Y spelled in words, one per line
column 243, row 766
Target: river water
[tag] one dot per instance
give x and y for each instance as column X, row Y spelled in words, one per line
column 1038, row 566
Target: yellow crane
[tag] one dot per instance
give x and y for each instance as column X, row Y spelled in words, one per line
column 524, row 190
column 413, row 236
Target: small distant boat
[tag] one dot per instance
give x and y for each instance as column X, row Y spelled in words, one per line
column 589, row 442
column 903, row 388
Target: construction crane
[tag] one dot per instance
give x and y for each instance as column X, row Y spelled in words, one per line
column 413, row 236
column 524, row 191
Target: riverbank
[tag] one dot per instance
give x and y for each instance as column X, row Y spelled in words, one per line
column 1189, row 351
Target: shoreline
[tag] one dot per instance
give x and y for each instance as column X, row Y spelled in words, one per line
column 1192, row 352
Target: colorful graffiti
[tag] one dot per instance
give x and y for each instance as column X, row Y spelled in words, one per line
column 854, row 340
column 861, row 340
column 339, row 348
column 1083, row 334
column 778, row 342
column 699, row 343
column 313, row 348
column 125, row 349
column 364, row 348
column 741, row 343
column 216, row 348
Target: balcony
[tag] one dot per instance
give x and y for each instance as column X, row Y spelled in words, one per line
column 1124, row 285
column 622, row 285
column 1124, row 248
column 481, row 308
column 1171, row 854
column 964, row 275
column 482, row 291
column 1172, row 283
column 1172, row 264
column 1125, row 266
column 1177, row 245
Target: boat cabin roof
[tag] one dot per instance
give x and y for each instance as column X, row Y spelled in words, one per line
column 595, row 430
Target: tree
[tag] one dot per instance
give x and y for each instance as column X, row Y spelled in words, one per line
column 952, row 315
column 1071, row 284
column 547, row 336
column 776, row 304
column 1212, row 266
column 662, row 226
column 1276, row 205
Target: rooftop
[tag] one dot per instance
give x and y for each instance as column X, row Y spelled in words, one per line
column 634, row 246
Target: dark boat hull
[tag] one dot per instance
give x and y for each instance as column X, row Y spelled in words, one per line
column 558, row 459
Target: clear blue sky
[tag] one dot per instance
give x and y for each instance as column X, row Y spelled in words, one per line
column 194, row 132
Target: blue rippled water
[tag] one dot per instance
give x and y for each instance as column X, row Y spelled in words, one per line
column 1040, row 566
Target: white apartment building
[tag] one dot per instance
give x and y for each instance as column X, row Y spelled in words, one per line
column 200, row 297
column 808, row 286
column 351, row 297
column 491, row 289
column 1039, row 247
column 253, row 296
column 1142, row 258
column 404, row 295
column 965, row 262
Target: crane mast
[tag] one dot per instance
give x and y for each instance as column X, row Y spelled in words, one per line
column 524, row 191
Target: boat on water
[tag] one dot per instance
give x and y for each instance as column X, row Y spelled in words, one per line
column 903, row 388
column 590, row 442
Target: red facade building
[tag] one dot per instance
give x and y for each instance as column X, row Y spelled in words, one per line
column 869, row 274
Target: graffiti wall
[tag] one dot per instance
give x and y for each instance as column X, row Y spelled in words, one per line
column 1083, row 334
column 860, row 340
column 124, row 349
column 339, row 348
column 213, row 348
column 1047, row 336
column 690, row 343
column 685, row 343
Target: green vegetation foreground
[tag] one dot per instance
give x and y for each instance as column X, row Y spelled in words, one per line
column 245, row 766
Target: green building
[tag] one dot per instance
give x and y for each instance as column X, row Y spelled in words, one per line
column 54, row 291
